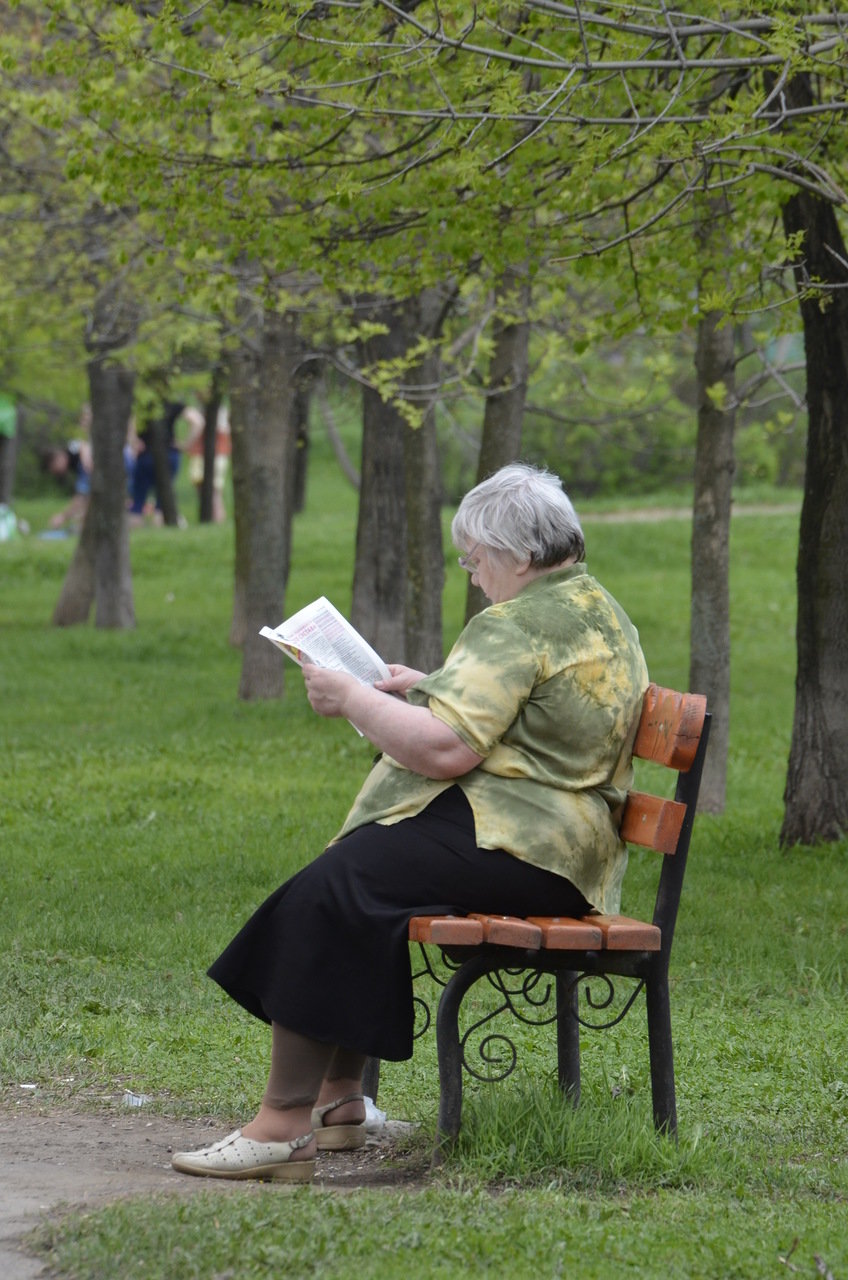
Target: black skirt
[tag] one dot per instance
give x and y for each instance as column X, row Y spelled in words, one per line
column 327, row 954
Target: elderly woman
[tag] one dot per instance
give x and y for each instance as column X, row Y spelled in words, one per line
column 498, row 790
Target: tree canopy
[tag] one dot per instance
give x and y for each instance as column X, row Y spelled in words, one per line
column 370, row 138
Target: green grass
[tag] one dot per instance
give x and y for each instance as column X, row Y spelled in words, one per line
column 145, row 812
column 455, row 1232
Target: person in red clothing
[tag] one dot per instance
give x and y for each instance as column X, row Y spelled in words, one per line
column 194, row 452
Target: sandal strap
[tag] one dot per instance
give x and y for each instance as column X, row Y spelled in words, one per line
column 297, row 1143
column 318, row 1113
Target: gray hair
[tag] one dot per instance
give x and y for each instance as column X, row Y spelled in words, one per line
column 523, row 512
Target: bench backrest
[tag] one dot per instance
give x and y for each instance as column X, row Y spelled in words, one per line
column 673, row 731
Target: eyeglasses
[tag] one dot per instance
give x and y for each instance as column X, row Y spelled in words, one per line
column 467, row 561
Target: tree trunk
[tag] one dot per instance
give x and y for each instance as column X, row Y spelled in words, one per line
column 378, row 610
column 425, row 556
column 816, row 796
column 506, row 394
column 111, row 397
column 100, row 567
column 300, row 411
column 165, row 497
column 709, row 661
column 77, row 594
column 399, row 570
column 240, row 409
column 263, row 386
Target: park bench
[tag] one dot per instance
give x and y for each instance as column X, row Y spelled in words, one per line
column 542, row 962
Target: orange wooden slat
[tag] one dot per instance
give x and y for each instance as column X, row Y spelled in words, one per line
column 652, row 821
column 670, row 727
column 456, row 931
column 621, row 933
column 510, row 931
column 567, row 933
column 558, row 933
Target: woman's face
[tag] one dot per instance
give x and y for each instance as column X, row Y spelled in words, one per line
column 497, row 576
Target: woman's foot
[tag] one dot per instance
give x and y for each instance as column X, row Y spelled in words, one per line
column 270, row 1124
column 237, row 1156
column 340, row 1124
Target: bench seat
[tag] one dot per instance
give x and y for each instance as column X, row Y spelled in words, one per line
column 535, row 933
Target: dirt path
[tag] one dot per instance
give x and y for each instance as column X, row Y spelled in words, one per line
column 53, row 1160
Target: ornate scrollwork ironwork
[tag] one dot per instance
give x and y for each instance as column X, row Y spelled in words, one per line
column 521, row 991
column 495, row 1070
column 427, row 966
column 534, row 989
column 604, row 1003
column 422, row 1017
column 529, row 995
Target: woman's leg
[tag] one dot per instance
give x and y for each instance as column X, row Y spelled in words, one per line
column 299, row 1066
column 279, row 1141
column 304, row 1074
column 328, row 952
column 343, row 1079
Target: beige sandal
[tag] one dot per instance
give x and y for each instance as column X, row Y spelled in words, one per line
column 338, row 1137
column 238, row 1157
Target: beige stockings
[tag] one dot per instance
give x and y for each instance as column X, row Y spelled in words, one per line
column 300, row 1067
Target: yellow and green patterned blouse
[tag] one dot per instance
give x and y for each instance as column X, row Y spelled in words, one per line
column 547, row 687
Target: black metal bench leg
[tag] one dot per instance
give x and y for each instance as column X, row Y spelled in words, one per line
column 661, row 1054
column 371, row 1078
column 568, row 1035
column 449, row 1051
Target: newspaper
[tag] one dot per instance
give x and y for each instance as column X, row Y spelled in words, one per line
column 319, row 634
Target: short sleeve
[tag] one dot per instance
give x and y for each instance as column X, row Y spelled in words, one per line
column 485, row 682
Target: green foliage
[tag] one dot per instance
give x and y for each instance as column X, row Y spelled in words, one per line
column 377, row 150
column 619, row 417
column 192, row 152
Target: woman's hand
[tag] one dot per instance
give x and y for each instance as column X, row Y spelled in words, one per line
column 410, row 735
column 402, row 678
column 328, row 691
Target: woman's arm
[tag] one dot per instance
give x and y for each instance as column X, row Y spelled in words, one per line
column 411, row 735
